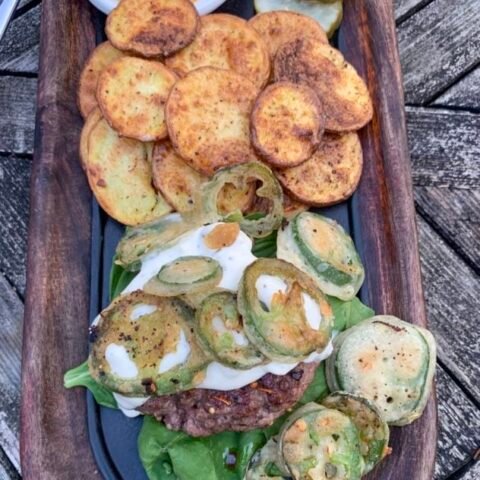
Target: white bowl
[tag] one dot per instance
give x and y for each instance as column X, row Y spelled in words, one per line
column 203, row 6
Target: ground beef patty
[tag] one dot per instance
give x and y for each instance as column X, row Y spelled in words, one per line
column 205, row 412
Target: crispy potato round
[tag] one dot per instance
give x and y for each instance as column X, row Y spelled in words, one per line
column 98, row 60
column 279, row 27
column 132, row 93
column 342, row 92
column 287, row 124
column 120, row 177
column 330, row 176
column 93, row 118
column 152, row 28
column 208, row 113
column 225, row 41
column 179, row 183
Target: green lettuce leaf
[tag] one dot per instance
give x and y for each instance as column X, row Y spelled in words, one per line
column 80, row 377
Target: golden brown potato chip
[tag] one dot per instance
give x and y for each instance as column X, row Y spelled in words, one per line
column 208, row 113
column 99, row 59
column 152, row 28
column 120, row 176
column 93, row 118
column 225, row 41
column 132, row 93
column 179, row 183
column 330, row 175
column 344, row 96
column 280, row 26
column 286, row 124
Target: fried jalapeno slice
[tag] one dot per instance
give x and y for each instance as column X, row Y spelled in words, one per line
column 240, row 176
column 321, row 248
column 320, row 443
column 388, row 361
column 285, row 315
column 144, row 345
column 372, row 429
column 219, row 328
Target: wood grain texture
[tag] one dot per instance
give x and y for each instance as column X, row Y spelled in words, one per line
column 444, row 147
column 19, row 46
column 14, row 180
column 452, row 295
column 405, row 8
column 459, row 426
column 438, row 47
column 17, row 104
column 54, row 443
column 455, row 215
column 384, row 205
column 464, row 94
column 11, row 313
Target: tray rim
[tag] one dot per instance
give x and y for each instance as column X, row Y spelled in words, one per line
column 369, row 29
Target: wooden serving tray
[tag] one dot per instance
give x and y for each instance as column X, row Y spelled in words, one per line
column 70, row 245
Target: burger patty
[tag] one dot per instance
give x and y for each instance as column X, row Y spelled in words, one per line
column 200, row 412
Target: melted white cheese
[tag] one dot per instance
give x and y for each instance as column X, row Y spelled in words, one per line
column 267, row 286
column 178, row 357
column 238, row 337
column 141, row 310
column 233, row 259
column 128, row 405
column 312, row 311
column 119, row 362
column 220, row 377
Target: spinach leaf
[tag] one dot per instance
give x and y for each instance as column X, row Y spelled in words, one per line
column 348, row 314
column 80, row 377
column 318, row 389
column 119, row 279
column 265, row 247
column 172, row 455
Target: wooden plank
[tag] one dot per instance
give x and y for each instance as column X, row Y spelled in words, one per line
column 459, row 424
column 405, row 8
column 19, row 46
column 17, row 122
column 437, row 46
column 11, row 315
column 463, row 94
column 455, row 215
column 473, row 473
column 452, row 293
column 7, row 472
column 54, row 438
column 383, row 212
column 14, row 181
column 444, row 147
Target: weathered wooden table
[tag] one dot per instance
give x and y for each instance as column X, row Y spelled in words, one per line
column 440, row 50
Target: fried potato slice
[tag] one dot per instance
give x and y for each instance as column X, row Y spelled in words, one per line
column 132, row 93
column 280, row 27
column 208, row 114
column 225, row 41
column 93, row 118
column 152, row 28
column 287, row 124
column 342, row 92
column 120, row 177
column 179, row 183
column 291, row 206
column 98, row 60
column 330, row 176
